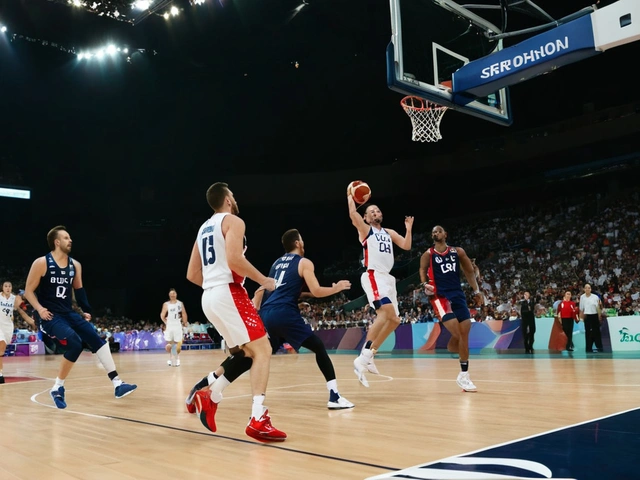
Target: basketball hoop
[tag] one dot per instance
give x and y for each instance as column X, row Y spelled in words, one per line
column 425, row 117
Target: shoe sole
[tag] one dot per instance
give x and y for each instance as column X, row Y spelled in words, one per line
column 203, row 420
column 202, row 415
column 361, row 378
column 261, row 438
column 128, row 393
column 340, row 408
column 61, row 404
column 466, row 390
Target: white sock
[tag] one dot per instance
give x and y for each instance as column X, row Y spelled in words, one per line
column 257, row 409
column 367, row 354
column 59, row 383
column 211, row 377
column 116, row 381
column 217, row 387
column 332, row 385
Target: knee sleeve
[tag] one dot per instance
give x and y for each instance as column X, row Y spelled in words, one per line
column 236, row 365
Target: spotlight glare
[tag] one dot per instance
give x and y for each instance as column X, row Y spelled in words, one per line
column 142, row 4
column 80, row 56
column 100, row 54
column 111, row 50
column 3, row 29
column 77, row 3
column 174, row 11
column 166, row 15
column 125, row 50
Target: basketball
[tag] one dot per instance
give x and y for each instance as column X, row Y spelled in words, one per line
column 360, row 191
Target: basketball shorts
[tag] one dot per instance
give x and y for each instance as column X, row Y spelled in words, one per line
column 450, row 306
column 6, row 332
column 230, row 310
column 380, row 289
column 173, row 333
column 285, row 324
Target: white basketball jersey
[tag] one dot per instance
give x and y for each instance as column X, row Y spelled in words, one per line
column 378, row 251
column 174, row 314
column 6, row 309
column 213, row 252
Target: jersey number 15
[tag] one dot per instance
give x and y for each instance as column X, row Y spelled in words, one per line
column 208, row 253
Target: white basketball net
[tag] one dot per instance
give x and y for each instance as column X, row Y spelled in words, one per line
column 425, row 117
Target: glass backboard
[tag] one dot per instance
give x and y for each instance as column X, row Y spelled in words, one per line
column 431, row 39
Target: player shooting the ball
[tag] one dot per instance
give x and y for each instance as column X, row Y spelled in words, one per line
column 377, row 282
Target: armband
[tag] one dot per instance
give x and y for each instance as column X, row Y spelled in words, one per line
column 83, row 302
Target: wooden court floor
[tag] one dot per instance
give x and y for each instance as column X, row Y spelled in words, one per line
column 412, row 413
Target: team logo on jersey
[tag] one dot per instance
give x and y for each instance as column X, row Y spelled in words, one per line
column 438, row 259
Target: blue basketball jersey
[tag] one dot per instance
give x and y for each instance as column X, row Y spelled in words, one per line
column 288, row 283
column 444, row 271
column 55, row 289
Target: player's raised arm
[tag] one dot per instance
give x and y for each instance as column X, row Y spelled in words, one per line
column 403, row 242
column 356, row 219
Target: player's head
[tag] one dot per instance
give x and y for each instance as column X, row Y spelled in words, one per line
column 438, row 233
column 372, row 215
column 173, row 294
column 292, row 240
column 219, row 196
column 7, row 287
column 587, row 288
column 527, row 295
column 567, row 295
column 58, row 238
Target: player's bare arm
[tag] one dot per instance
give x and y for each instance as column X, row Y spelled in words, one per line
column 36, row 272
column 257, row 298
column 306, row 269
column 402, row 242
column 233, row 229
column 185, row 316
column 194, row 269
column 470, row 274
column 425, row 261
column 163, row 313
column 357, row 220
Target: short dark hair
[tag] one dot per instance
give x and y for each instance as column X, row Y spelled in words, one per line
column 173, row 290
column 53, row 235
column 289, row 239
column 216, row 195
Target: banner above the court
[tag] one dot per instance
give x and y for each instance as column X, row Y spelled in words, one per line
column 543, row 53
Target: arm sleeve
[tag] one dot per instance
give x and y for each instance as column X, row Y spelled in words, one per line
column 81, row 298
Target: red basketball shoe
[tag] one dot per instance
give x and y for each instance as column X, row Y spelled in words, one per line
column 263, row 431
column 206, row 409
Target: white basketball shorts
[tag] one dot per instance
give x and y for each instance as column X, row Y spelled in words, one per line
column 230, row 310
column 380, row 289
column 173, row 333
